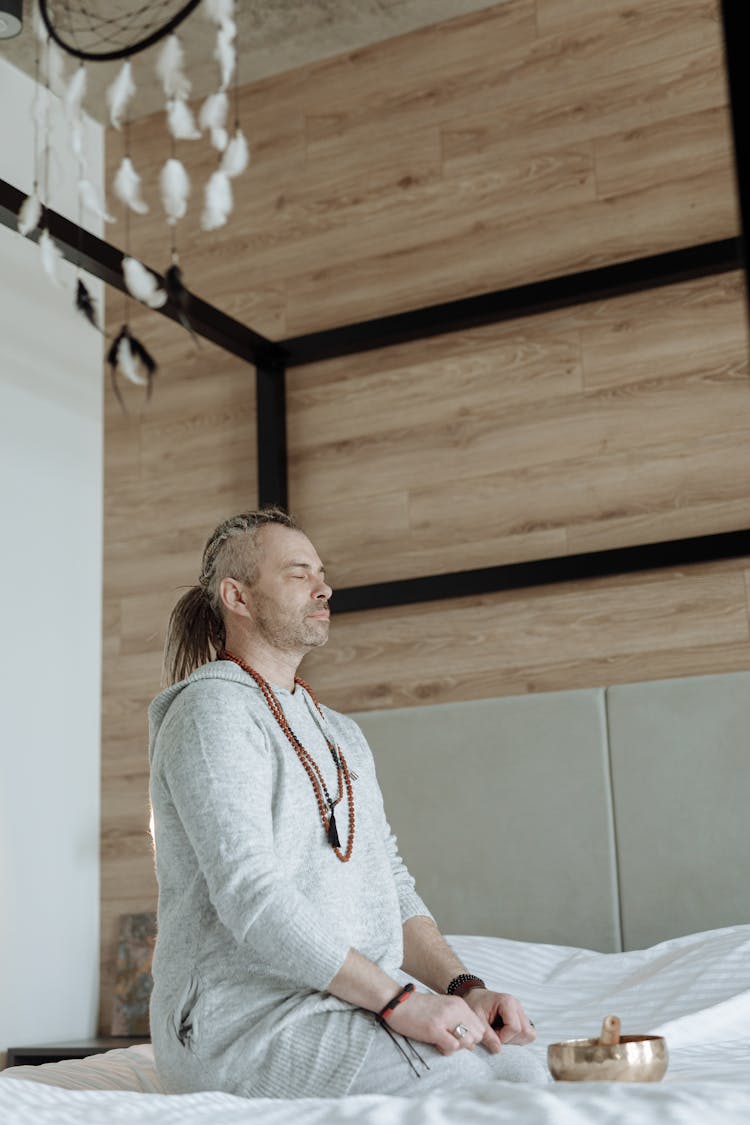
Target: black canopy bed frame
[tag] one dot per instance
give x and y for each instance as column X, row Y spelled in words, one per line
column 272, row 359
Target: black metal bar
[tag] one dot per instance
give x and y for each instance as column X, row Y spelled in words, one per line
column 542, row 572
column 270, row 385
column 640, row 274
column 104, row 261
column 734, row 14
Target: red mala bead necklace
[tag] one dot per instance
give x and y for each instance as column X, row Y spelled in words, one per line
column 326, row 806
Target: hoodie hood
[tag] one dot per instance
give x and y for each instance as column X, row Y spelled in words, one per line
column 217, row 670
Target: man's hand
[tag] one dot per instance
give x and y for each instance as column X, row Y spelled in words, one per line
column 516, row 1024
column 433, row 1019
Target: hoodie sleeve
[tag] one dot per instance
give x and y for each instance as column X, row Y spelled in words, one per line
column 212, row 770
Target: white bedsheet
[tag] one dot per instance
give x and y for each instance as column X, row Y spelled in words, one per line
column 694, row 990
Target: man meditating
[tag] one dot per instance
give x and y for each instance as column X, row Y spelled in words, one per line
column 288, row 925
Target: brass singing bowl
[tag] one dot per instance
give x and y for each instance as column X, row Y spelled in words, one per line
column 636, row 1058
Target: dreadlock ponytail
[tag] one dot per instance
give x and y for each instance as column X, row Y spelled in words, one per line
column 193, row 631
column 196, row 628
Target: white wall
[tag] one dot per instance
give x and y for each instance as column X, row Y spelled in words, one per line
column 50, row 594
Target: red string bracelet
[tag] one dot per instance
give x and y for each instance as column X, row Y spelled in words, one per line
column 380, row 1017
column 399, row 998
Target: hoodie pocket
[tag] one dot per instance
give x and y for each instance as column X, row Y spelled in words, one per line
column 184, row 1016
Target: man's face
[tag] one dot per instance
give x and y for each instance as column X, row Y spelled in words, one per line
column 288, row 602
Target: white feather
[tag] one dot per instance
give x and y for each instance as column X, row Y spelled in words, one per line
column 91, row 200
column 175, row 189
column 181, row 121
column 76, row 138
column 119, row 94
column 236, row 155
column 213, row 115
column 128, row 364
column 225, row 52
column 218, row 201
column 51, row 256
column 127, row 185
column 75, row 92
column 30, row 213
column 55, row 67
column 141, row 283
column 40, row 28
column 169, row 69
column 218, row 10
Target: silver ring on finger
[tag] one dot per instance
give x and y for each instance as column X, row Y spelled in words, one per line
column 460, row 1031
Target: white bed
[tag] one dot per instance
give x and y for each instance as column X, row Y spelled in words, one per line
column 694, row 990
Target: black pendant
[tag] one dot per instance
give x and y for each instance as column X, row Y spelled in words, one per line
column 333, row 832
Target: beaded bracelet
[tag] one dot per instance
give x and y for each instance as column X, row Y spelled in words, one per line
column 464, row 983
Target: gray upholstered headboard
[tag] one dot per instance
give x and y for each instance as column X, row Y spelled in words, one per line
column 609, row 818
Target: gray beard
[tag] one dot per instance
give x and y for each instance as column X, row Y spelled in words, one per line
column 286, row 632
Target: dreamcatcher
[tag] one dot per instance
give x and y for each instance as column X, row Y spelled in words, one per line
column 105, row 31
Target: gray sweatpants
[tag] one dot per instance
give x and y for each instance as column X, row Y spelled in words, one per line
column 386, row 1071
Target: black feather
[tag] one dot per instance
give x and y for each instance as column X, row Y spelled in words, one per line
column 112, row 361
column 146, row 361
column 180, row 298
column 140, row 353
column 85, row 304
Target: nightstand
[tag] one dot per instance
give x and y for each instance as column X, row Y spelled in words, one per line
column 75, row 1049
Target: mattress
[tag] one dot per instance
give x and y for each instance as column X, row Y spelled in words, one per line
column 694, row 990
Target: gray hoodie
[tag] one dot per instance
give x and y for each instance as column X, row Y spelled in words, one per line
column 256, row 913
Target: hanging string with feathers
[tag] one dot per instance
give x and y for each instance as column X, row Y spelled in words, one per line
column 50, row 253
column 139, row 281
column 88, row 197
column 31, row 208
column 127, row 182
column 127, row 356
column 174, row 180
column 234, row 155
column 87, row 193
column 84, row 300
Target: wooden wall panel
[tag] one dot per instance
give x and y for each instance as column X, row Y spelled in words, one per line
column 534, row 138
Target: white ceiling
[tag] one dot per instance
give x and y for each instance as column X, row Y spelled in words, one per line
column 273, row 36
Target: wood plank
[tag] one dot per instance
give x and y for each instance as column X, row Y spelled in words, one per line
column 121, row 841
column 521, row 365
column 665, row 151
column 128, row 875
column 612, row 500
column 581, row 110
column 699, row 325
column 561, row 16
column 621, row 420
